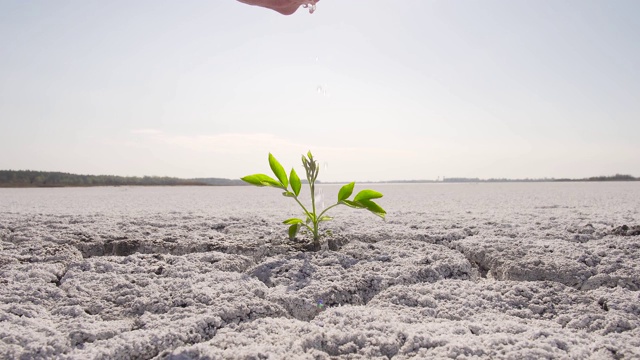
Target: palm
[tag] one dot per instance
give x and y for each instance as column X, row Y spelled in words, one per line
column 284, row 7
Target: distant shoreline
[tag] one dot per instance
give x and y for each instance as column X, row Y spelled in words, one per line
column 46, row 179
column 616, row 177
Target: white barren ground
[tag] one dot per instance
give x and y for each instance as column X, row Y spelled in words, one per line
column 500, row 271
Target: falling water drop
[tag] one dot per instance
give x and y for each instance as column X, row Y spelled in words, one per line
column 311, row 5
column 319, row 193
column 322, row 90
column 320, row 198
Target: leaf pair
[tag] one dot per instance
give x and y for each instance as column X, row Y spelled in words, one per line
column 362, row 200
column 295, row 224
column 282, row 182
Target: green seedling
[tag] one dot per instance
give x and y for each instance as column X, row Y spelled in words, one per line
column 292, row 185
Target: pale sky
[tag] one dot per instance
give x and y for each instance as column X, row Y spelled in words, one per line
column 377, row 90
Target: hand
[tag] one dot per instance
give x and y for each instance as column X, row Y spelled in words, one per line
column 284, row 7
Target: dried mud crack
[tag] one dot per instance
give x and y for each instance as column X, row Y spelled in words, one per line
column 540, row 278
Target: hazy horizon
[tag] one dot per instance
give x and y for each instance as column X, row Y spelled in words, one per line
column 451, row 179
column 378, row 91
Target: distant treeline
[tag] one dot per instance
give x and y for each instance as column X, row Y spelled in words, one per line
column 27, row 178
column 617, row 177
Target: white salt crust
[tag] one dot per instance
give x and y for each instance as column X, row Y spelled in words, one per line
column 490, row 271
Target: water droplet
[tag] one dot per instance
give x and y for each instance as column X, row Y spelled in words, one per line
column 322, row 90
column 320, row 198
column 311, row 5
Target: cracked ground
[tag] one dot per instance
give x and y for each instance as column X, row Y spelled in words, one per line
column 461, row 271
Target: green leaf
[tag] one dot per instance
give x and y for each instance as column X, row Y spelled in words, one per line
column 288, row 194
column 346, row 191
column 373, row 207
column 293, row 231
column 261, row 180
column 325, row 218
column 366, row 204
column 278, row 170
column 367, row 195
column 309, row 155
column 352, row 204
column 293, row 221
column 295, row 182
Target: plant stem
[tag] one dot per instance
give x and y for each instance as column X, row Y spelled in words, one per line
column 305, row 211
column 302, row 206
column 327, row 209
column 311, row 167
column 316, row 236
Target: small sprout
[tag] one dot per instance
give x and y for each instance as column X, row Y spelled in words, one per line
column 292, row 186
